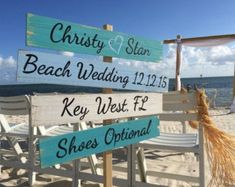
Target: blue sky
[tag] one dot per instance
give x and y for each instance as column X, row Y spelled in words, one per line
column 153, row 19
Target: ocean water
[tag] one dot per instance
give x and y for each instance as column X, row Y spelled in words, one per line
column 221, row 86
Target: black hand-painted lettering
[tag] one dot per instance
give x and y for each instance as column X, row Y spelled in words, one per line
column 62, row 149
column 154, row 77
column 135, row 48
column 84, row 74
column 129, row 49
column 141, row 76
column 104, row 108
column 31, row 61
column 31, row 67
column 142, row 102
column 109, row 135
column 66, row 34
column 67, row 104
column 75, row 111
column 73, row 148
column 60, row 27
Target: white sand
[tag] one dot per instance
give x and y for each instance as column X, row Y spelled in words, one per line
column 167, row 162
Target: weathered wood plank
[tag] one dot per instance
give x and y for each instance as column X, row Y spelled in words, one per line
column 16, row 105
column 38, row 67
column 178, row 97
column 172, row 176
column 60, row 149
column 61, row 35
column 178, row 106
column 178, row 117
column 18, row 111
column 62, row 109
column 13, row 99
column 108, row 156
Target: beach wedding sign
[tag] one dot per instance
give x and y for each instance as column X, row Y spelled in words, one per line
column 47, row 110
column 38, row 67
column 64, row 148
column 66, row 36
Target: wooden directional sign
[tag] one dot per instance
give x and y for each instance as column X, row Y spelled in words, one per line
column 61, row 109
column 64, row 148
column 60, row 35
column 37, row 67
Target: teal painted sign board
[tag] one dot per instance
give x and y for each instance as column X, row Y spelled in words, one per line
column 66, row 36
column 38, row 67
column 64, row 148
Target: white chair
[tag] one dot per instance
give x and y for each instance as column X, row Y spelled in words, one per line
column 14, row 134
column 175, row 107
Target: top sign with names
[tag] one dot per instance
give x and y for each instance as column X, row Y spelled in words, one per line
column 65, row 36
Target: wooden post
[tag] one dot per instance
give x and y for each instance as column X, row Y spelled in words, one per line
column 178, row 64
column 232, row 107
column 76, row 182
column 234, row 82
column 31, row 147
column 107, row 156
column 201, row 155
column 131, row 157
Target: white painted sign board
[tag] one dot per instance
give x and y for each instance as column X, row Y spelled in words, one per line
column 61, row 109
column 38, row 67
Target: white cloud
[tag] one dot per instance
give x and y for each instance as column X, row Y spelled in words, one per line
column 211, row 61
column 7, row 70
column 67, row 53
column 157, row 68
column 7, row 62
column 221, row 55
column 1, row 61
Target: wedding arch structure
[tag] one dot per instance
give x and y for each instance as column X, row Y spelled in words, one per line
column 205, row 41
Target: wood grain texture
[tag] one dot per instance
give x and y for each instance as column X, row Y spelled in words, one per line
column 60, row 149
column 62, row 109
column 178, row 117
column 40, row 33
column 38, row 67
column 178, row 106
column 108, row 156
column 15, row 105
column 177, row 97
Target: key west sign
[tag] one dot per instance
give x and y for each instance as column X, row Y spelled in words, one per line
column 75, row 145
column 37, row 67
column 61, row 109
column 61, row 35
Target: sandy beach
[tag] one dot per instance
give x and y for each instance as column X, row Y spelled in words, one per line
column 168, row 162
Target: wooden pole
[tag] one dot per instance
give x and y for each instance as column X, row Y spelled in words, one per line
column 107, row 156
column 76, row 182
column 232, row 107
column 178, row 64
column 202, row 38
column 234, row 82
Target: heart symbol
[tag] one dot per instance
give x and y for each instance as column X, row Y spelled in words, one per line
column 116, row 44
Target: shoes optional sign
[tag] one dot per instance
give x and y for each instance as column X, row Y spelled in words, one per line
column 61, row 35
column 37, row 67
column 64, row 148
